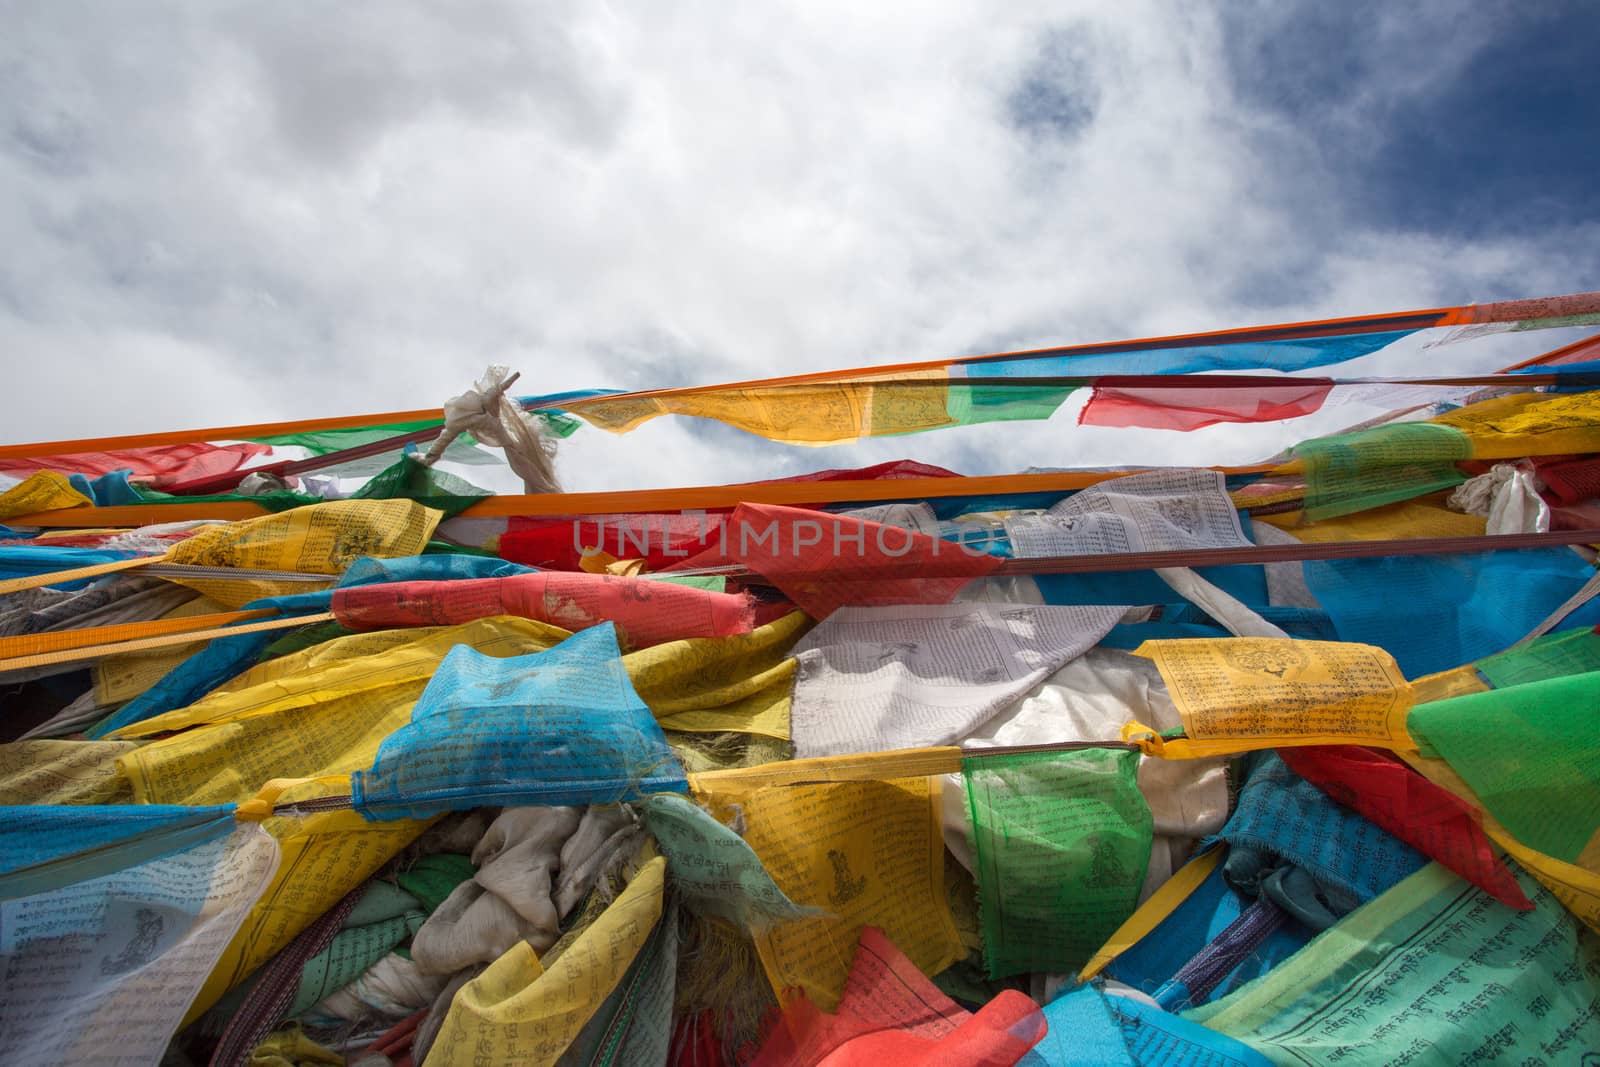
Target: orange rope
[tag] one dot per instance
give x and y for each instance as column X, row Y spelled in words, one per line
column 124, row 516
column 34, row 581
column 61, row 640
column 117, row 648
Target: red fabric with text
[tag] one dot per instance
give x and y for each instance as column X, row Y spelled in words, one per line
column 646, row 612
column 823, row 562
column 661, row 539
column 890, row 1013
column 157, row 466
column 1571, row 481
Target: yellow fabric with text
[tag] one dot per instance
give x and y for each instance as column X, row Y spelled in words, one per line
column 316, row 539
column 237, row 592
column 867, row 853
column 1455, row 682
column 716, row 684
column 519, row 1012
column 711, row 684
column 344, row 649
column 1424, row 517
column 320, row 720
column 343, row 662
column 1529, row 424
column 1242, row 693
column 821, row 413
column 64, row 772
column 40, row 491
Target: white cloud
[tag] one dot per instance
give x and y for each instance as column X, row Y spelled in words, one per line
column 229, row 213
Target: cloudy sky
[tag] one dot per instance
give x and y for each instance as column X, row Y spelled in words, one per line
column 236, row 212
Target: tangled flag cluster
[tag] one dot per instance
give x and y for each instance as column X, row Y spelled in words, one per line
column 316, row 753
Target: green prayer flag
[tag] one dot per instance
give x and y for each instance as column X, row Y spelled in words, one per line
column 348, row 956
column 1062, row 842
column 980, row 400
column 302, row 638
column 1551, row 656
column 714, row 583
column 321, row 442
column 1531, row 753
column 406, row 479
column 1366, row 469
column 277, row 500
column 1434, row 971
column 558, row 423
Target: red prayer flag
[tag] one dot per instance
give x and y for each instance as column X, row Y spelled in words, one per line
column 1429, row 818
column 880, row 472
column 646, row 612
column 1568, row 480
column 823, row 562
column 890, row 1013
column 158, row 466
column 661, row 539
column 1130, row 402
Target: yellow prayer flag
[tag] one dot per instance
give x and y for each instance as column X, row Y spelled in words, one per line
column 518, row 1012
column 1529, row 424
column 715, row 684
column 1455, row 682
column 41, row 491
column 867, row 853
column 816, row 413
column 1242, row 693
column 1424, row 517
column 316, row 539
column 64, row 772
